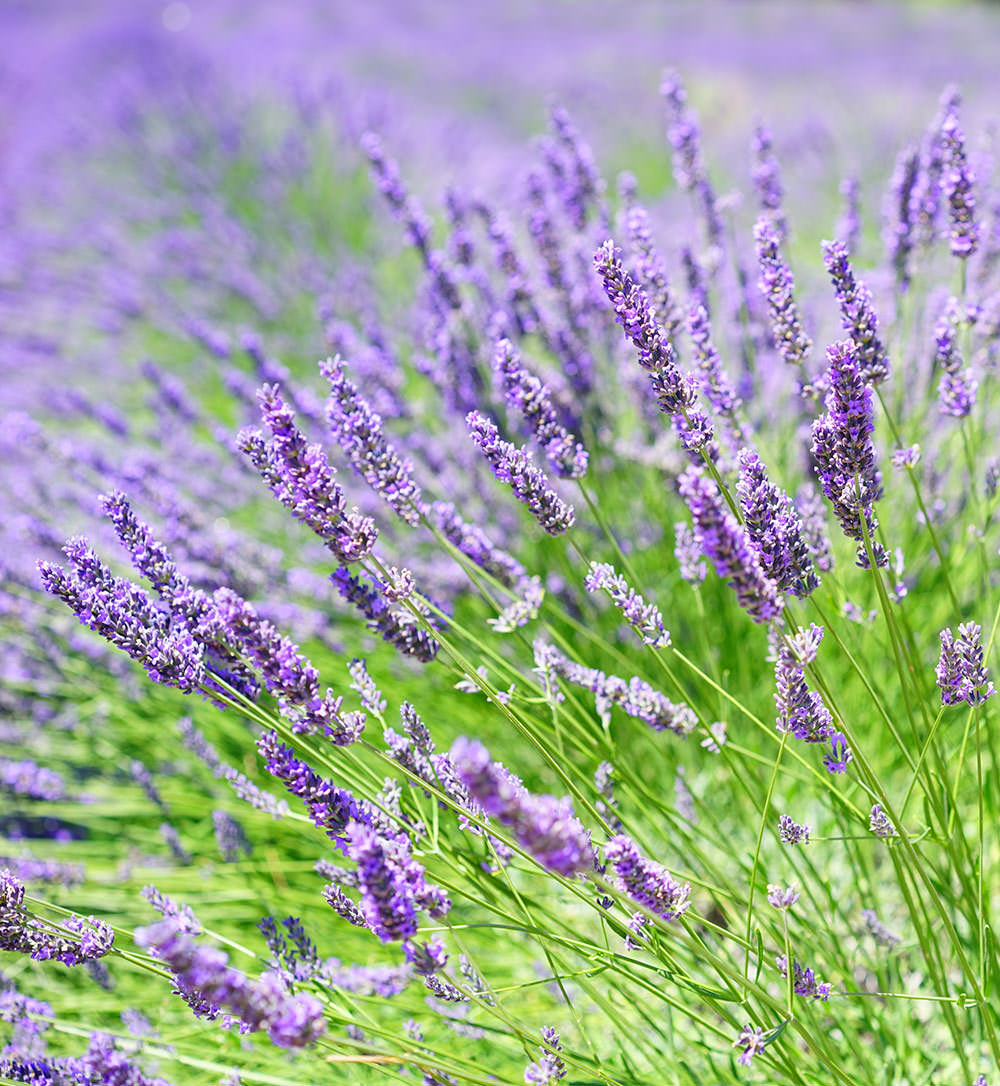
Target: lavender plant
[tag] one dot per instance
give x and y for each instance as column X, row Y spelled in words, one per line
column 560, row 738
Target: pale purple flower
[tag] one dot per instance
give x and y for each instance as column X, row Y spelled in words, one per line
column 516, row 467
column 961, row 673
column 645, row 881
column 643, row 617
column 777, row 284
column 751, row 1040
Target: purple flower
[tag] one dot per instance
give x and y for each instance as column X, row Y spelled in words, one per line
column 385, row 174
column 543, row 825
column 21, row 932
column 781, row 897
column 203, row 973
column 880, row 824
column 878, row 931
column 766, row 177
column 903, row 200
column 643, row 617
column 805, row 982
column 515, row 467
column 30, row 779
column 957, row 387
column 358, row 429
column 844, row 454
column 687, row 551
column 397, row 625
column 958, row 181
column 652, row 271
column 812, row 514
column 961, row 674
column 728, row 548
column 302, row 480
column 675, row 392
column 839, row 756
column 715, row 382
column 330, row 808
column 857, row 313
column 751, row 1040
column 791, row 833
column 550, row 1067
column 777, row 284
column 801, row 711
column 774, row 527
column 288, row 675
column 646, row 882
column 526, row 395
column 634, row 696
column 123, row 614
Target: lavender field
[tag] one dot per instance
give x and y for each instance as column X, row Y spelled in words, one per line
column 500, row 564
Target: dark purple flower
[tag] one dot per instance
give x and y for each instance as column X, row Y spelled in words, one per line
column 961, row 674
column 880, row 824
column 331, row 808
column 857, row 313
column 302, row 480
column 646, row 882
column 397, row 625
column 675, row 392
column 515, row 467
column 801, row 711
column 844, row 453
column 729, row 549
column 804, row 981
column 790, row 832
column 772, row 522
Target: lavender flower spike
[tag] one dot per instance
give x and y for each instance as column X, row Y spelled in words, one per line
column 801, row 711
column 203, row 974
column 728, row 547
column 961, row 675
column 774, row 527
column 303, row 480
column 543, row 825
column 644, row 881
column 958, row 180
column 550, row 1068
column 857, row 313
column 643, row 617
column 526, row 394
column 844, row 454
column 957, row 387
column 777, row 284
column 515, row 467
column 676, row 393
column 358, row 429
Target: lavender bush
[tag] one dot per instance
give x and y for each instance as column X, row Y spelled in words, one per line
column 573, row 661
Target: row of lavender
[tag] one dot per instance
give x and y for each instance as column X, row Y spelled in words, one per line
column 512, row 339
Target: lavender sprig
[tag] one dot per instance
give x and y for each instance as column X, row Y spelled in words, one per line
column 358, row 429
column 961, row 674
column 543, row 825
column 844, row 453
column 302, row 480
column 958, row 182
column 526, row 395
column 728, row 548
column 515, row 467
column 646, row 882
column 857, row 313
column 643, row 617
column 777, row 284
